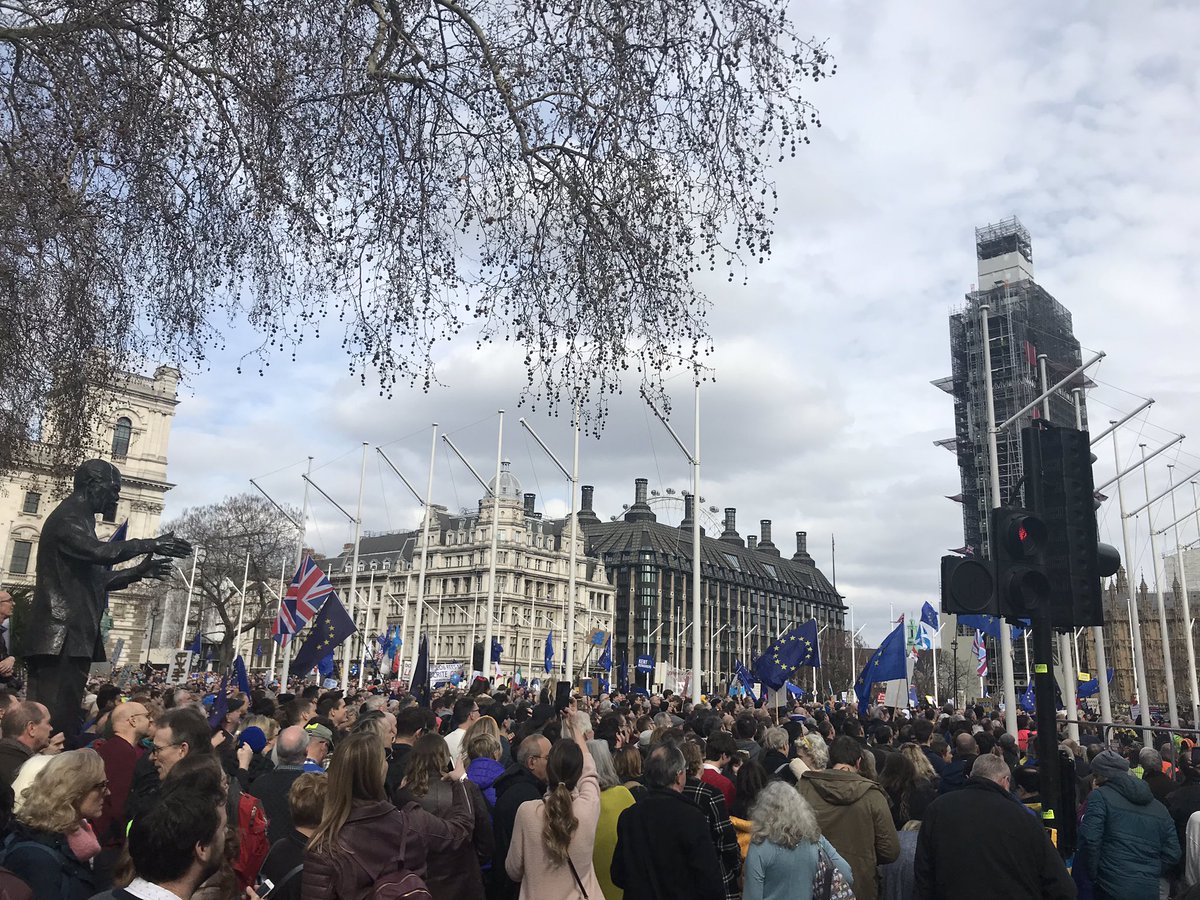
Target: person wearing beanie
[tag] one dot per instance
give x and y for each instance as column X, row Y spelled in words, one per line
column 1128, row 837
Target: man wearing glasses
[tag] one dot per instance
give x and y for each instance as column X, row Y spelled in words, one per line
column 7, row 661
column 179, row 732
column 131, row 723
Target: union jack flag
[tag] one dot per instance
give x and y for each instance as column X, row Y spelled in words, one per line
column 310, row 588
column 980, row 650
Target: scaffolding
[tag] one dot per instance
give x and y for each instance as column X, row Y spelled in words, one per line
column 1006, row 236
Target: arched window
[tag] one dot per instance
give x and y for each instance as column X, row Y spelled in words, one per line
column 121, row 435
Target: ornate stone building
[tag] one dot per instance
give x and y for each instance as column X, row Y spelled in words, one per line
column 133, row 434
column 532, row 579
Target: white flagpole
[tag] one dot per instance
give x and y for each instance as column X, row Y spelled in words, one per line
column 1187, row 612
column 1168, row 663
column 488, row 632
column 282, row 588
column 1097, row 630
column 1135, row 624
column 237, row 634
column 937, row 639
column 416, row 634
column 347, row 647
column 286, row 648
column 571, row 587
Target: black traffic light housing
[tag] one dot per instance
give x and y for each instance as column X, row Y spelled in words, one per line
column 1058, row 467
column 1018, row 545
column 968, row 587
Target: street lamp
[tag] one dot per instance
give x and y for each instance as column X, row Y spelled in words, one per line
column 154, row 610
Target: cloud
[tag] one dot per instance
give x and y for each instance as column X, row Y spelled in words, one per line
column 1082, row 119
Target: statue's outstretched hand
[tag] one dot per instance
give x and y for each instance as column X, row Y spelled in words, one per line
column 159, row 569
column 169, row 545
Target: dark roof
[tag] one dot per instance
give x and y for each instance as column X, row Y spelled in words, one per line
column 722, row 559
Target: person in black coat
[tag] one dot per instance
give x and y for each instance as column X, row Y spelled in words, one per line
column 524, row 780
column 664, row 850
column 271, row 788
column 979, row 841
column 956, row 774
column 284, row 865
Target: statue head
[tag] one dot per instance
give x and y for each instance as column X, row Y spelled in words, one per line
column 100, row 482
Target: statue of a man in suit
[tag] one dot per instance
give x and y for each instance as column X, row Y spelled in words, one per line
column 62, row 637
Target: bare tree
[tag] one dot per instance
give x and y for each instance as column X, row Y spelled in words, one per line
column 555, row 174
column 240, row 530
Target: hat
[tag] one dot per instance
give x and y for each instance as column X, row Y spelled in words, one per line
column 318, row 732
column 1109, row 763
column 253, row 738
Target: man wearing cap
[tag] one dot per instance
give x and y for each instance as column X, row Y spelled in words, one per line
column 1127, row 836
column 320, row 740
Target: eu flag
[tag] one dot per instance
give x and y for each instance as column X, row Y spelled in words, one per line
column 1091, row 688
column 331, row 627
column 990, row 625
column 550, row 651
column 745, row 677
column 606, row 657
column 888, row 663
column 243, row 678
column 786, row 654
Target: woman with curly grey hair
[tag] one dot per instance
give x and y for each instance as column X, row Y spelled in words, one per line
column 784, row 847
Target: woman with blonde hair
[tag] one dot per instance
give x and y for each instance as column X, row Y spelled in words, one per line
column 921, row 764
column 53, row 843
column 785, row 847
column 553, row 839
column 363, row 838
column 453, row 871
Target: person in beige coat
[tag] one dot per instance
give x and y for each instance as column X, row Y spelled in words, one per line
column 552, row 843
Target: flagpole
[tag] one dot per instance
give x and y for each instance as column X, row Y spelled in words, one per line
column 937, row 639
column 237, row 634
column 416, row 638
column 347, row 651
column 1185, row 605
column 285, row 646
column 187, row 607
column 1135, row 624
column 488, row 632
column 1168, row 663
column 571, row 585
column 274, row 644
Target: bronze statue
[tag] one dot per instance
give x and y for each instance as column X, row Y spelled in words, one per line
column 62, row 637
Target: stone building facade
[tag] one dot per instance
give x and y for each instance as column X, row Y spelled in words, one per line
column 133, row 434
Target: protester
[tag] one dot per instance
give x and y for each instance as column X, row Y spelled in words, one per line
column 853, row 813
column 979, row 835
column 25, row 730
column 411, row 723
column 284, row 865
column 273, row 787
column 628, row 763
column 523, row 781
column 320, row 741
column 363, row 840
column 615, row 798
column 785, row 845
column 751, row 779
column 1128, row 836
column 719, row 750
column 907, row 795
column 1156, row 779
column 452, row 872
column 52, row 843
column 483, row 763
column 955, row 775
column 553, row 840
column 664, row 850
column 466, row 712
column 712, row 804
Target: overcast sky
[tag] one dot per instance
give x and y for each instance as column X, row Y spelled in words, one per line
column 1082, row 119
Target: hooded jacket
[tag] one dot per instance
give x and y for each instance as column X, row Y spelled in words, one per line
column 513, row 788
column 1130, row 839
column 855, row 817
column 484, row 773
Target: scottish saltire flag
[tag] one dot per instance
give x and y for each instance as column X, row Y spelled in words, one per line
column 888, row 663
column 979, row 648
column 307, row 593
column 550, row 651
column 928, row 628
column 786, row 654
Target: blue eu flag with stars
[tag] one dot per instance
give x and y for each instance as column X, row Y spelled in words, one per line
column 330, row 628
column 888, row 663
column 787, row 653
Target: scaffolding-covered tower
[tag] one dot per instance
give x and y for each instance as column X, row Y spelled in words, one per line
column 1024, row 322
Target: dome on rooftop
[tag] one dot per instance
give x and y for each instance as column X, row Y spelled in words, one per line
column 510, row 487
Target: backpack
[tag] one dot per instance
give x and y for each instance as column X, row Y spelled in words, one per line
column 10, row 844
column 399, row 884
column 253, row 844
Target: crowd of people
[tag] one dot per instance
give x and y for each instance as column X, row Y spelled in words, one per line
column 494, row 793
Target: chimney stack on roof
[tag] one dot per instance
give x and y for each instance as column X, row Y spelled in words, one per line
column 529, row 501
column 587, row 515
column 751, row 541
column 802, row 549
column 689, row 513
column 764, row 544
column 730, row 535
column 640, row 511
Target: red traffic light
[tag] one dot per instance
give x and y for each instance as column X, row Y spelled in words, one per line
column 1022, row 534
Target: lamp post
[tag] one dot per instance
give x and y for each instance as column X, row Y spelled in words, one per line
column 154, row 610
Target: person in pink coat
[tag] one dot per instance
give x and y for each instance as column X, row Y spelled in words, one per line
column 552, row 844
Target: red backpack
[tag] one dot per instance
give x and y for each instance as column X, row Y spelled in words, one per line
column 253, row 844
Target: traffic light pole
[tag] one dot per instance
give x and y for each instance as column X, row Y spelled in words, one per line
column 1008, row 688
column 1049, row 777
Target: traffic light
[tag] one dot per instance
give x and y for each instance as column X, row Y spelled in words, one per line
column 1018, row 560
column 1058, row 467
column 967, row 587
